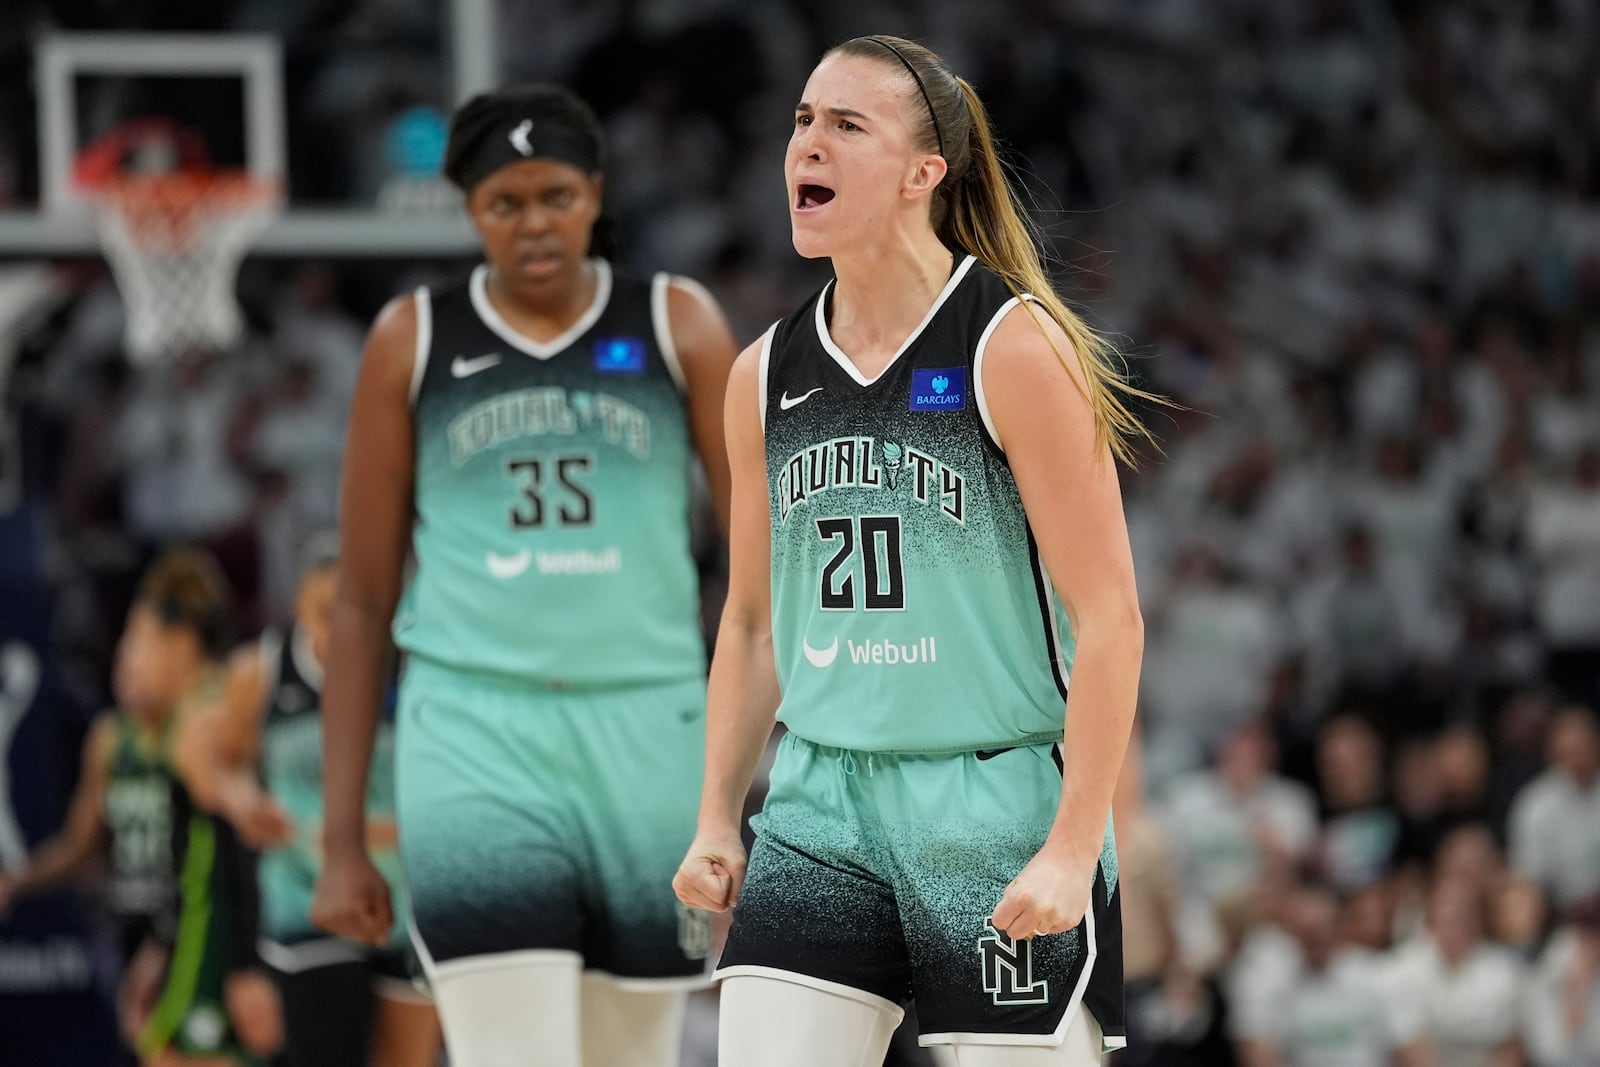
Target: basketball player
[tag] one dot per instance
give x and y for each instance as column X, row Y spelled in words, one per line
column 529, row 433
column 194, row 994
column 343, row 1002
column 935, row 536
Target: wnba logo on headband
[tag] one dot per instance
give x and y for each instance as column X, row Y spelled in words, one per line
column 519, row 137
column 515, row 140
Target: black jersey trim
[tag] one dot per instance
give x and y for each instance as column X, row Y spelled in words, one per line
column 1047, row 615
column 846, row 364
column 661, row 320
column 419, row 359
column 478, row 288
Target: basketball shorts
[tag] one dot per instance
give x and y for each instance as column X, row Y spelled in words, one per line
column 874, row 875
column 533, row 820
column 328, row 989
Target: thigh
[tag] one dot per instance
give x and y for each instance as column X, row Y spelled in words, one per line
column 951, row 868
column 812, row 909
column 487, row 846
column 327, row 1014
column 770, row 1022
column 621, row 1028
column 405, row 1031
column 638, row 759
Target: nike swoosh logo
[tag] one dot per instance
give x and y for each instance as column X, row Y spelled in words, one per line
column 989, row 753
column 461, row 367
column 785, row 402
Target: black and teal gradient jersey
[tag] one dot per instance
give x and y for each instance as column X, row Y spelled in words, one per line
column 291, row 763
column 552, row 493
column 910, row 609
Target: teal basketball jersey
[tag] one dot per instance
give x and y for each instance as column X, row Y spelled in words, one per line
column 291, row 764
column 552, row 494
column 910, row 610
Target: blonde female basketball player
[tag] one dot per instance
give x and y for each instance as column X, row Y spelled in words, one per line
column 927, row 534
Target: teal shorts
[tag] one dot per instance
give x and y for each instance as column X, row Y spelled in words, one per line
column 874, row 875
column 540, row 820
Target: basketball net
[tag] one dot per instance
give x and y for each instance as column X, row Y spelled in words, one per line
column 175, row 241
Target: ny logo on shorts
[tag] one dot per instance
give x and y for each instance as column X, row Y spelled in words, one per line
column 1008, row 971
column 694, row 932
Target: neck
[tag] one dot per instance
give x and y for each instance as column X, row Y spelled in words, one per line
column 882, row 292
column 556, row 302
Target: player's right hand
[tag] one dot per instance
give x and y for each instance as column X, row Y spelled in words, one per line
column 352, row 900
column 712, row 873
column 258, row 817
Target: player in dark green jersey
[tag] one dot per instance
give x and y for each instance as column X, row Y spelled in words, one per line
column 258, row 761
column 528, row 434
column 927, row 539
column 195, row 995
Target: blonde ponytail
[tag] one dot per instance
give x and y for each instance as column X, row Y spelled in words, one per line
column 984, row 218
column 976, row 211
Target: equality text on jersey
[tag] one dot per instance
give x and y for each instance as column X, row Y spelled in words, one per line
column 862, row 462
column 537, row 412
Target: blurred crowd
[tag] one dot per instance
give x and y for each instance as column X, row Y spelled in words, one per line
column 1357, row 242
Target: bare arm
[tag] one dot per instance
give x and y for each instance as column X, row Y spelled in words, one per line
column 215, row 753
column 743, row 698
column 84, row 832
column 706, row 351
column 375, row 510
column 1069, row 489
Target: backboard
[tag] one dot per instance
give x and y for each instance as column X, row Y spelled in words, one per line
column 351, row 118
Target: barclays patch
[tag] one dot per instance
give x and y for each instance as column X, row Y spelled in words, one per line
column 619, row 355
column 939, row 389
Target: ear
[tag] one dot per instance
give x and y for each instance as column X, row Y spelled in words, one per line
column 926, row 174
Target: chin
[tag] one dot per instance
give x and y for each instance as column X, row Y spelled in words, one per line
column 810, row 244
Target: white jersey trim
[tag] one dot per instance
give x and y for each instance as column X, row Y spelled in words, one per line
column 305, row 660
column 1058, row 664
column 977, row 365
column 845, row 362
column 762, row 368
column 660, row 287
column 310, row 955
column 479, row 291
column 796, row 978
column 419, row 360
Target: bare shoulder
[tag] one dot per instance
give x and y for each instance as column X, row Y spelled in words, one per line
column 392, row 342
column 700, row 331
column 102, row 739
column 1029, row 347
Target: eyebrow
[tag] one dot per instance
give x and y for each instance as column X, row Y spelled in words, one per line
column 835, row 112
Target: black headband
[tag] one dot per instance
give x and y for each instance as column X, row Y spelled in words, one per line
column 515, row 140
column 923, row 89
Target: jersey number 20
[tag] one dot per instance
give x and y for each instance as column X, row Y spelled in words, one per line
column 884, row 588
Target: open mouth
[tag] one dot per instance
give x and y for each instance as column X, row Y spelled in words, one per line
column 809, row 197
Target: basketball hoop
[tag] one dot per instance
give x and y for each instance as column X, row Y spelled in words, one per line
column 175, row 241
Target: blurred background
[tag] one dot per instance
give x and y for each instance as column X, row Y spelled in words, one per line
column 1357, row 241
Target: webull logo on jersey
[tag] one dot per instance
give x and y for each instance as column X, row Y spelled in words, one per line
column 539, row 412
column 872, row 652
column 864, row 463
column 942, row 389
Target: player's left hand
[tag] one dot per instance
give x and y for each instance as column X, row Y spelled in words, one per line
column 1049, row 896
